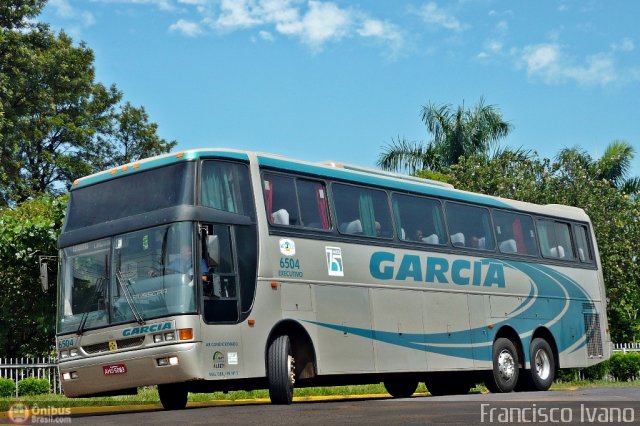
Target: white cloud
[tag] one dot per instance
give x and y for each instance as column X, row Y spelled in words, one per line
column 64, row 10
column 313, row 22
column 266, row 35
column 165, row 5
column 188, row 28
column 542, row 58
column 625, row 45
column 436, row 16
column 238, row 14
column 548, row 62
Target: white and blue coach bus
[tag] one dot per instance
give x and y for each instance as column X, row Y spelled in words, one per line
column 216, row 270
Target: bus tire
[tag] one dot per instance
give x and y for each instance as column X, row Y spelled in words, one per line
column 446, row 384
column 281, row 371
column 504, row 375
column 401, row 388
column 173, row 396
column 543, row 365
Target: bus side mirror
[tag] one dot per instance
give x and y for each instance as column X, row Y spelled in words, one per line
column 213, row 250
column 44, row 277
column 44, row 271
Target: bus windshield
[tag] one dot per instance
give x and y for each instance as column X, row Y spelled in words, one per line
column 130, row 277
column 134, row 194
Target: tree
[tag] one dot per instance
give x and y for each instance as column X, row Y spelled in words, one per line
column 58, row 122
column 455, row 133
column 28, row 316
column 614, row 165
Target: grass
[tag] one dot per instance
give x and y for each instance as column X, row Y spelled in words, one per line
column 149, row 395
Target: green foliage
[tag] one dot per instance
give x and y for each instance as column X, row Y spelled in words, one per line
column 28, row 314
column 625, row 366
column 596, row 372
column 7, row 388
column 57, row 122
column 33, row 386
column 456, row 132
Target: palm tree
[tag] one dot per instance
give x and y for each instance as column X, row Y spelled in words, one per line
column 456, row 132
column 614, row 165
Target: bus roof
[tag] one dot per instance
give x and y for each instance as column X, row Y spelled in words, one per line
column 339, row 171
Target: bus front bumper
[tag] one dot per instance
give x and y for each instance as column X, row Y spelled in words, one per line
column 131, row 369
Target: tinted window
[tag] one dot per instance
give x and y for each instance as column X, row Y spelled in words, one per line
column 419, row 219
column 469, row 226
column 362, row 211
column 280, row 198
column 226, row 186
column 515, row 233
column 296, row 202
column 582, row 243
column 555, row 239
column 132, row 194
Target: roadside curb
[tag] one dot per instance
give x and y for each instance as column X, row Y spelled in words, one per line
column 94, row 410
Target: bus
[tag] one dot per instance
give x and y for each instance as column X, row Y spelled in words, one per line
column 218, row 269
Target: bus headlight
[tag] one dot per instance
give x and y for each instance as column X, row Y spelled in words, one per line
column 157, row 338
column 73, row 352
column 169, row 337
column 64, row 354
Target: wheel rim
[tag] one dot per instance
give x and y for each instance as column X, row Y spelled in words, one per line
column 506, row 365
column 543, row 364
column 291, row 370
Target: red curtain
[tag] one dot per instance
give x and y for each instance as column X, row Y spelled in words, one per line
column 321, row 202
column 268, row 191
column 517, row 235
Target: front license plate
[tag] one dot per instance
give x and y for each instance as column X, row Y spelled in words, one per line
column 110, row 370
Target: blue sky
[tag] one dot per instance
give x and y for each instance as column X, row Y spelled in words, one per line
column 336, row 80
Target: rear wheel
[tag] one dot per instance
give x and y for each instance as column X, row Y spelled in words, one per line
column 504, row 376
column 281, row 371
column 543, row 366
column 173, row 396
column 401, row 388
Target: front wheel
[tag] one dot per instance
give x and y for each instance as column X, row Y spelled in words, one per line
column 281, row 371
column 173, row 396
column 504, row 376
column 401, row 388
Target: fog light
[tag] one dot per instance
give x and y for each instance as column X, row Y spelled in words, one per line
column 74, row 374
column 157, row 338
column 162, row 362
column 169, row 337
column 185, row 333
column 73, row 352
column 66, row 376
column 173, row 360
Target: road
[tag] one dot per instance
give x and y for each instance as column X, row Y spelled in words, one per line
column 582, row 406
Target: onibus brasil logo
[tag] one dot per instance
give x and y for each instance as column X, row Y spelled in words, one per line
column 21, row 413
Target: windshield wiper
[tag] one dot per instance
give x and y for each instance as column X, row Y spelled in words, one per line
column 83, row 320
column 129, row 299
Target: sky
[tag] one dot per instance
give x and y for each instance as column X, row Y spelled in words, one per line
column 337, row 80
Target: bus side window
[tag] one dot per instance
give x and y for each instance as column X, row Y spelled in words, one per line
column 419, row 219
column 280, row 198
column 362, row 211
column 314, row 210
column 582, row 238
column 555, row 239
column 515, row 233
column 470, row 226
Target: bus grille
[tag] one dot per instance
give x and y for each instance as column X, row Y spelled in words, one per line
column 122, row 344
column 592, row 332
